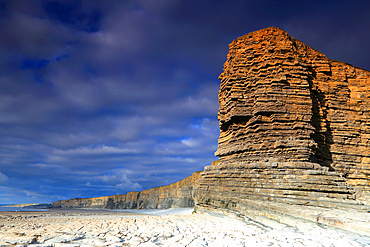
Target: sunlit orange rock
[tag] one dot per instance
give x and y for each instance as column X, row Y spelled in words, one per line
column 295, row 127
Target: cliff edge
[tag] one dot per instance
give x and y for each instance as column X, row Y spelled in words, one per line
column 177, row 195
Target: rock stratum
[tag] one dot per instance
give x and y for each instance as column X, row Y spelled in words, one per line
column 176, row 195
column 295, row 129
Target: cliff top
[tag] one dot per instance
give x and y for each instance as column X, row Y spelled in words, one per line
column 279, row 37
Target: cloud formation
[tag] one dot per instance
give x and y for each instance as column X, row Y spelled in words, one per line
column 104, row 97
column 3, row 178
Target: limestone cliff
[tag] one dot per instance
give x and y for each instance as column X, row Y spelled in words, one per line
column 176, row 195
column 295, row 127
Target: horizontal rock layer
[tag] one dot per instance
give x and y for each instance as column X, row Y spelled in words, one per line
column 297, row 183
column 176, row 195
column 295, row 127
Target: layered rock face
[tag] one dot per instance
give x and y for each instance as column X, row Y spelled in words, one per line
column 176, row 195
column 295, row 127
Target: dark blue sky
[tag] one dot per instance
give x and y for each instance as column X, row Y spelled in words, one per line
column 105, row 97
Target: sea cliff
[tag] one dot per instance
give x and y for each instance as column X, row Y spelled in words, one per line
column 294, row 135
column 177, row 195
column 294, row 127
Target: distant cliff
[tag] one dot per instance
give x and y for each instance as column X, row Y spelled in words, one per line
column 176, row 195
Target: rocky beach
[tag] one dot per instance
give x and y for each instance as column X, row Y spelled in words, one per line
column 293, row 166
column 173, row 227
column 183, row 123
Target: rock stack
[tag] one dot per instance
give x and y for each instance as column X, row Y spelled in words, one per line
column 295, row 128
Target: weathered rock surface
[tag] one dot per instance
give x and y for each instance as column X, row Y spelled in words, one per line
column 295, row 128
column 108, row 228
column 176, row 195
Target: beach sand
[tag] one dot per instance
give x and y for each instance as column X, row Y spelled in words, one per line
column 174, row 227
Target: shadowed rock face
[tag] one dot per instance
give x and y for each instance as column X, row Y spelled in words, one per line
column 176, row 195
column 295, row 127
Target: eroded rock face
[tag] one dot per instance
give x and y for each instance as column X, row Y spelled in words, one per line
column 295, row 127
column 176, row 195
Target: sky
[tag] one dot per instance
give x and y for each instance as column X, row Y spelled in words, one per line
column 105, row 97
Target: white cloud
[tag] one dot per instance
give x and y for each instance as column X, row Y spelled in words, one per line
column 199, row 138
column 190, row 142
column 96, row 150
column 126, row 129
column 33, row 193
column 120, row 180
column 44, row 166
column 128, row 185
column 3, row 178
